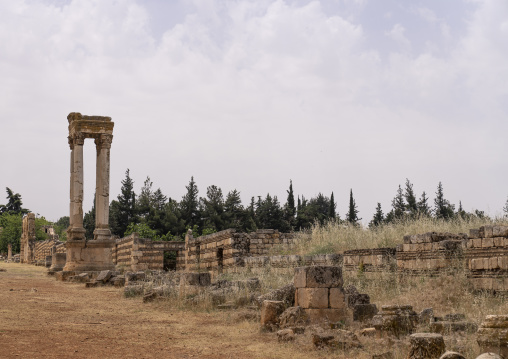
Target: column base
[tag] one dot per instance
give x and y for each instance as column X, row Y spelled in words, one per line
column 76, row 234
column 94, row 255
column 101, row 234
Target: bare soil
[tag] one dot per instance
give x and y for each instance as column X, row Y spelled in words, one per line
column 44, row 318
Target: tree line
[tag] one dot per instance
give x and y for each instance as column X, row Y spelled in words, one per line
column 154, row 215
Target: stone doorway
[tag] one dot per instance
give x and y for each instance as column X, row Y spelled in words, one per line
column 220, row 260
column 170, row 260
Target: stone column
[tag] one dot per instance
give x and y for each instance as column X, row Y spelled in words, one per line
column 9, row 252
column 76, row 230
column 103, row 145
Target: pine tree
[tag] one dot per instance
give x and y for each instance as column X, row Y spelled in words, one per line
column 213, row 209
column 409, row 195
column 234, row 213
column 189, row 205
column 398, row 205
column 14, row 204
column 123, row 210
column 332, row 213
column 442, row 207
column 505, row 208
column 378, row 218
column 423, row 205
column 352, row 214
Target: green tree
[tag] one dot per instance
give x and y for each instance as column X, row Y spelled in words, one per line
column 123, row 210
column 332, row 213
column 234, row 213
column 289, row 208
column 398, row 205
column 11, row 224
column 442, row 207
column 460, row 212
column 213, row 209
column 269, row 214
column 423, row 205
column 505, row 208
column 352, row 214
column 409, row 195
column 89, row 221
column 378, row 218
column 14, row 204
column 142, row 229
column 61, row 226
column 189, row 205
column 40, row 234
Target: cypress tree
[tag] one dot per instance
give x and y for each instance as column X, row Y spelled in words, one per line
column 352, row 215
column 332, row 214
column 289, row 208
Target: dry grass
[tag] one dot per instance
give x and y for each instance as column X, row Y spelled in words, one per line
column 334, row 237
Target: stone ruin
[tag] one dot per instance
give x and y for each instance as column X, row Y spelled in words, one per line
column 87, row 254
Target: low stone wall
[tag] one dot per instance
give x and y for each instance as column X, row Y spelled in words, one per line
column 369, row 260
column 228, row 249
column 141, row 254
column 257, row 264
column 486, row 257
column 430, row 253
column 43, row 249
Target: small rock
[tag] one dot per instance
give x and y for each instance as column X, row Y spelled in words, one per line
column 285, row 335
column 452, row 355
column 270, row 311
column 368, row 332
column 104, row 276
column 149, row 297
column 425, row 316
column 292, row 316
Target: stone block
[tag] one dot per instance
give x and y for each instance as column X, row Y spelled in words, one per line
column 337, row 298
column 364, row 312
column 324, row 277
column 285, row 335
column 426, row 346
column 477, row 242
column 500, row 231
column 326, row 314
column 312, row 297
column 474, row 233
column 64, row 275
column 498, row 241
column 104, row 276
column 270, row 312
column 487, row 242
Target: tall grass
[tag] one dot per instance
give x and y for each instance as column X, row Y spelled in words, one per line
column 335, row 237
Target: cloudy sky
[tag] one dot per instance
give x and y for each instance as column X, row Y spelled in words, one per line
column 248, row 94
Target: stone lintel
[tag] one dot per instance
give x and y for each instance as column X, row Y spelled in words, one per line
column 89, row 126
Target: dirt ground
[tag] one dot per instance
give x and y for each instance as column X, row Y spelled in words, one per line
column 44, row 318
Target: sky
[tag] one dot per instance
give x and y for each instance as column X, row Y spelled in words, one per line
column 249, row 94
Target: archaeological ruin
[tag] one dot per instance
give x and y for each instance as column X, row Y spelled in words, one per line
column 87, row 254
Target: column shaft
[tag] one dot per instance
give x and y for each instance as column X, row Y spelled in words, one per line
column 102, row 189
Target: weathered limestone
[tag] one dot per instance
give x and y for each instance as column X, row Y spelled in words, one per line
column 319, row 292
column 9, row 252
column 270, row 312
column 367, row 261
column 395, row 320
column 89, row 254
column 493, row 335
column 27, row 244
column 426, row 346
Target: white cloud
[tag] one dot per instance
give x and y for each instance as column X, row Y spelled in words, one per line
column 397, row 34
column 249, row 94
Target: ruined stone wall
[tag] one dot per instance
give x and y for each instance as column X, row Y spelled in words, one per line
column 430, row 253
column 262, row 263
column 369, row 260
column 42, row 249
column 228, row 249
column 486, row 257
column 141, row 254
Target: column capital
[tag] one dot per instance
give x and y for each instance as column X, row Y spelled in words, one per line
column 103, row 141
column 76, row 139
